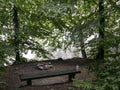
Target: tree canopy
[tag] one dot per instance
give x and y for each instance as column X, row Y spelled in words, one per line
column 59, row 23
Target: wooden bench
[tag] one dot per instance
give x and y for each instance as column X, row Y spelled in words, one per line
column 29, row 77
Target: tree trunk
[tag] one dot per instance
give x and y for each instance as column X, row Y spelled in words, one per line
column 16, row 36
column 83, row 52
column 100, row 54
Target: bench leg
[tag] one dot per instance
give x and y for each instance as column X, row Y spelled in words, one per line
column 29, row 82
column 71, row 77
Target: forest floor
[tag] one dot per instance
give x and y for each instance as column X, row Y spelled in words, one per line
column 11, row 75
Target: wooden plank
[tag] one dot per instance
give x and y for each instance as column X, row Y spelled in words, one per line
column 48, row 74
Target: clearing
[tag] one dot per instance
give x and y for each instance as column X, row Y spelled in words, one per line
column 11, row 75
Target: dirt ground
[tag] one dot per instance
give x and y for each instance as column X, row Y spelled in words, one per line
column 11, row 75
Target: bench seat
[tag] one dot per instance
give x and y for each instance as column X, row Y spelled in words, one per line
column 29, row 77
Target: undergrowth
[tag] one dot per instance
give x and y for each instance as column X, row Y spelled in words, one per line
column 107, row 77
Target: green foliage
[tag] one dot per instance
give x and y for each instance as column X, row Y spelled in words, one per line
column 58, row 24
column 1, row 70
column 33, row 27
column 107, row 77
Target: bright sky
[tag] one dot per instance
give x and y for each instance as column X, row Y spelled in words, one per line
column 60, row 53
column 29, row 55
column 118, row 2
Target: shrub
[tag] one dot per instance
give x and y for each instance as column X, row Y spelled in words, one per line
column 107, row 77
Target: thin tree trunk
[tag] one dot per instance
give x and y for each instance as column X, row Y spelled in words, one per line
column 83, row 52
column 100, row 54
column 16, row 36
